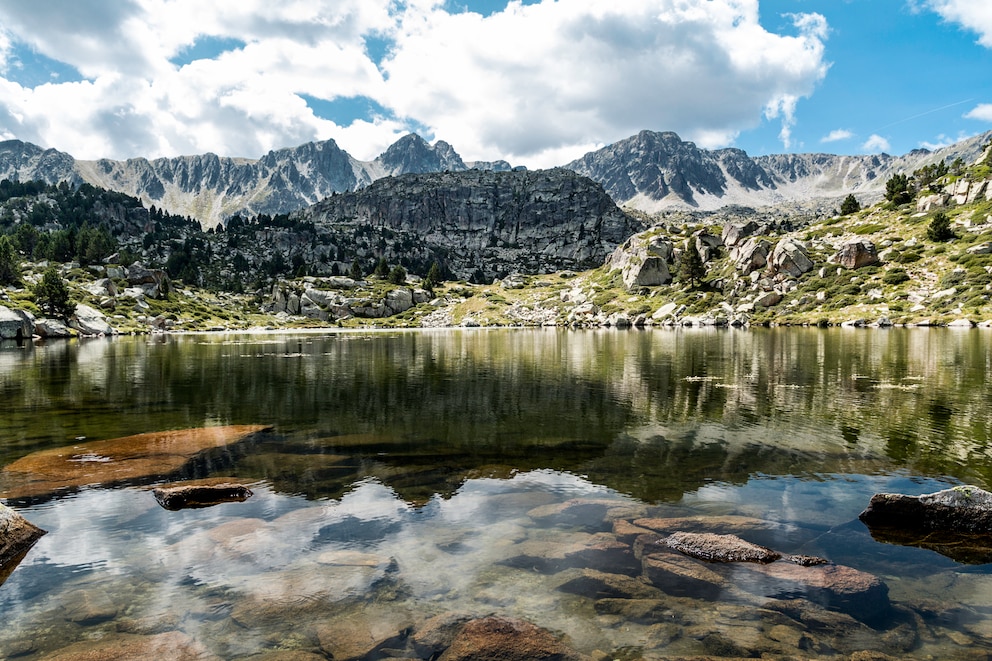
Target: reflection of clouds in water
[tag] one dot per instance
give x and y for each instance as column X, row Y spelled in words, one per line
column 286, row 549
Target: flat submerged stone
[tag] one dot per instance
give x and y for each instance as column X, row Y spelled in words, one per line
column 115, row 461
column 201, row 493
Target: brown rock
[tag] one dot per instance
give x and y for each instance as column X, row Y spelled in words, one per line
column 437, row 634
column 201, row 493
column 17, row 536
column 173, row 645
column 719, row 548
column 601, row 585
column 627, row 531
column 601, row 551
column 505, row 639
column 856, row 254
column 88, row 607
column 636, row 610
column 359, row 635
column 114, row 461
column 682, row 577
column 836, row 587
column 713, row 524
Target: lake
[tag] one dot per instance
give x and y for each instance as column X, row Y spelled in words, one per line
column 410, row 477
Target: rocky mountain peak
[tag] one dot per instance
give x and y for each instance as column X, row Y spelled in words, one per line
column 412, row 153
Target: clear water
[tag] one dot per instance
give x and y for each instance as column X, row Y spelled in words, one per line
column 407, row 472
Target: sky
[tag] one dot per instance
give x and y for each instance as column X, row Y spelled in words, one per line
column 534, row 82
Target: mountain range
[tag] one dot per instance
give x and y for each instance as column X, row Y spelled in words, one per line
column 650, row 171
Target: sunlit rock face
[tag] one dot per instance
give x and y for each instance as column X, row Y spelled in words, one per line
column 17, row 536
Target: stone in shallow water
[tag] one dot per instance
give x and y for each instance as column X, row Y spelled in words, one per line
column 956, row 522
column 115, row 461
column 173, row 645
column 88, row 607
column 719, row 548
column 835, row 587
column 201, row 493
column 680, row 576
column 360, row 634
column 601, row 585
column 506, row 639
column 17, row 536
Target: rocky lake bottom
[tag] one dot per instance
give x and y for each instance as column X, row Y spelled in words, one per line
column 445, row 495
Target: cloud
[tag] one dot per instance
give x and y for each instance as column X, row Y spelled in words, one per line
column 975, row 15
column 535, row 84
column 837, row 135
column 982, row 112
column 876, row 143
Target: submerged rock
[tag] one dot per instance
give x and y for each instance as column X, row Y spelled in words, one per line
column 720, row 548
column 506, row 639
column 115, row 461
column 955, row 522
column 201, row 493
column 17, row 536
column 172, row 645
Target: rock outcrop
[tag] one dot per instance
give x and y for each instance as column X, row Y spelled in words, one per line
column 857, row 254
column 17, row 536
column 955, row 522
column 487, row 224
column 15, row 324
column 643, row 261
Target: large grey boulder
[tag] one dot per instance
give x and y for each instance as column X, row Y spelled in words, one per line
column 752, row 255
column 154, row 282
column 857, row 254
column 51, row 328
column 642, row 261
column 790, row 256
column 734, row 234
column 15, row 324
column 90, row 321
column 954, row 522
column 399, row 300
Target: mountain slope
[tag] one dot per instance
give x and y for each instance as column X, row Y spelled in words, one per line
column 653, row 171
column 650, row 171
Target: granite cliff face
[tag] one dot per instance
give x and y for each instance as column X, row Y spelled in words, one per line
column 485, row 221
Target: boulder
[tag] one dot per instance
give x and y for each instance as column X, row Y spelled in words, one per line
column 399, row 300
column 17, row 536
column 113, row 461
column 751, row 256
column 719, row 548
column 790, row 256
column 506, row 639
column 15, row 324
column 51, row 328
column 857, row 254
column 680, row 576
column 201, row 493
column 734, row 234
column 928, row 203
column 154, row 282
column 983, row 248
column 642, row 262
column 956, row 522
column 90, row 321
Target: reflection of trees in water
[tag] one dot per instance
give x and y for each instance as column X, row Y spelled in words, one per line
column 770, row 400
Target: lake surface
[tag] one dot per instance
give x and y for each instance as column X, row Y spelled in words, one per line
column 409, row 475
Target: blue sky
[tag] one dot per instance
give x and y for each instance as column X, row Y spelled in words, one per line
column 535, row 82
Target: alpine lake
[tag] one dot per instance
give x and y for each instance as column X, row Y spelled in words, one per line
column 406, row 481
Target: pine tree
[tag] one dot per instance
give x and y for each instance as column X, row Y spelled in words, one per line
column 10, row 268
column 52, row 295
column 850, row 205
column 939, row 229
column 397, row 276
column 693, row 270
column 356, row 271
column 382, row 268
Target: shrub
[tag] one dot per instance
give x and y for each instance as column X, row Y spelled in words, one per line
column 895, row 277
column 850, row 205
column 52, row 295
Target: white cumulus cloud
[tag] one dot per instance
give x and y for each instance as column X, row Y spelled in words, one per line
column 536, row 84
column 837, row 135
column 876, row 143
column 975, row 15
column 982, row 112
